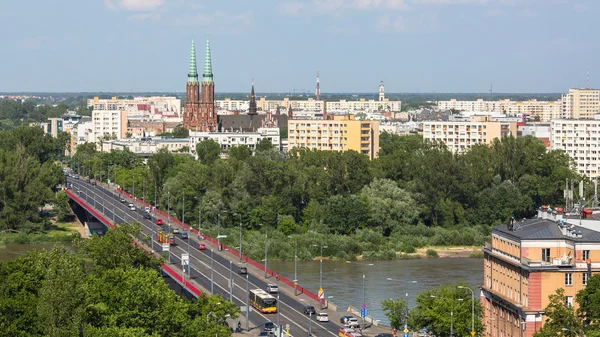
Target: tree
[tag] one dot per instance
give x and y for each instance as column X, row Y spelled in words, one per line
column 62, row 207
column 180, row 132
column 589, row 302
column 396, row 311
column 239, row 152
column 264, row 145
column 560, row 316
column 208, row 151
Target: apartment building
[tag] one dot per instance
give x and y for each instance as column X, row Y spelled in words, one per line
column 544, row 110
column 581, row 103
column 109, row 122
column 311, row 104
column 141, row 107
column 526, row 261
column 232, row 138
column 146, row 146
column 53, row 126
column 579, row 138
column 460, row 136
column 342, row 133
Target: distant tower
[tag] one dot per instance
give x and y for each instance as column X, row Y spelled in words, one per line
column 252, row 108
column 278, row 111
column 192, row 93
column 290, row 113
column 318, row 89
column 381, row 92
column 208, row 116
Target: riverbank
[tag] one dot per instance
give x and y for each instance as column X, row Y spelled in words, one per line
column 59, row 232
column 422, row 253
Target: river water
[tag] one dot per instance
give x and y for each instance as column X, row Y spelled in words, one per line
column 13, row 251
column 344, row 281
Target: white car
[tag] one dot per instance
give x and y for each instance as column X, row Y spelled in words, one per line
column 147, row 209
column 322, row 317
column 132, row 208
column 131, row 204
column 352, row 322
column 272, row 288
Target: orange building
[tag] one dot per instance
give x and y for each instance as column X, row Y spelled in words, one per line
column 526, row 261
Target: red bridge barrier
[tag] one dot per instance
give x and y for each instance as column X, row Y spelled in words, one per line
column 232, row 251
column 177, row 277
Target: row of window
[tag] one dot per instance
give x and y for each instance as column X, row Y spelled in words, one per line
column 569, row 279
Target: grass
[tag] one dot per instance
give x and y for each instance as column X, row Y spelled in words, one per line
column 432, row 253
column 476, row 255
column 63, row 232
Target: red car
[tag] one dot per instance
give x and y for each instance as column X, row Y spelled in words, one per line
column 159, row 221
column 202, row 246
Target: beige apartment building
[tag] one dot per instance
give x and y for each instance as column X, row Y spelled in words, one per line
column 140, row 106
column 460, row 136
column 545, row 110
column 109, row 123
column 580, row 139
column 581, row 103
column 526, row 261
column 342, row 133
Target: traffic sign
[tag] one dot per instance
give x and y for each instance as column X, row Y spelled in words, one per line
column 406, row 331
column 473, row 333
column 321, row 294
column 363, row 312
column 166, row 247
column 405, row 335
column 185, row 259
column 363, row 306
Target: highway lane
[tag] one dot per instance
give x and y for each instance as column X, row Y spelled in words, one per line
column 290, row 309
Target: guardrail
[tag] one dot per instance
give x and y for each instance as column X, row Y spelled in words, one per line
column 172, row 273
column 235, row 253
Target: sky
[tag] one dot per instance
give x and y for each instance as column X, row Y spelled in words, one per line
column 529, row 46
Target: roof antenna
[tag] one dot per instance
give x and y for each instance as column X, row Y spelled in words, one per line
column 588, row 79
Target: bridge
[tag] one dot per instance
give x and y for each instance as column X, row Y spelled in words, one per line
column 211, row 270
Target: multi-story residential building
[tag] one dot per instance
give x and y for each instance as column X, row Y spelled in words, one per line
column 146, row 146
column 540, row 131
column 109, row 122
column 526, row 261
column 53, row 126
column 342, row 133
column 154, row 107
column 581, row 103
column 232, row 138
column 81, row 133
column 544, row 110
column 580, row 139
column 460, row 136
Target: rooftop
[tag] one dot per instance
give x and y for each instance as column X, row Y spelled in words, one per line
column 544, row 229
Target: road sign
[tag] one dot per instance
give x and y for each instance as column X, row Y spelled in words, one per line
column 363, row 312
column 185, row 259
column 406, row 331
column 405, row 335
column 363, row 306
column 473, row 333
column 321, row 294
column 165, row 247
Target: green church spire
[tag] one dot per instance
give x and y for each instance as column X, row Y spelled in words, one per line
column 208, row 75
column 193, row 73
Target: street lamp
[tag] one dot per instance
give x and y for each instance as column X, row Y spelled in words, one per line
column 241, row 257
column 451, row 312
column 472, row 308
column 321, row 275
column 296, row 267
column 408, row 282
column 565, row 329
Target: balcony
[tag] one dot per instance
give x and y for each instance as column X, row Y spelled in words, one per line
column 565, row 261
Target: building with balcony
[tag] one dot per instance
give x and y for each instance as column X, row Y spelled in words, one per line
column 342, row 133
column 229, row 139
column 581, row 103
column 526, row 261
column 154, row 107
column 146, row 146
column 460, row 136
column 109, row 123
column 580, row 139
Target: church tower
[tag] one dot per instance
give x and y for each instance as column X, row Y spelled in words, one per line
column 208, row 115
column 381, row 92
column 252, row 109
column 192, row 93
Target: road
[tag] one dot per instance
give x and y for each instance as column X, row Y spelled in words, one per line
column 202, row 266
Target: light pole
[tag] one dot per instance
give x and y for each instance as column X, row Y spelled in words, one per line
column 266, row 248
column 277, row 307
column 472, row 307
column 408, row 282
column 321, row 275
column 310, row 323
column 241, row 257
column 230, row 283
column 565, row 329
column 188, row 238
column 451, row 311
column 364, row 298
column 296, row 268
column 247, row 304
column 219, row 230
column 169, row 211
column 212, row 276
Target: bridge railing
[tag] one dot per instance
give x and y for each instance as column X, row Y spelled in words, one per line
column 176, row 276
column 245, row 258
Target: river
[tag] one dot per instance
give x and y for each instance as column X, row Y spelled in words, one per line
column 344, row 280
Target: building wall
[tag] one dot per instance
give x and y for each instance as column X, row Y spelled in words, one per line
column 109, row 122
column 583, row 103
column 580, row 140
column 343, row 133
column 311, row 104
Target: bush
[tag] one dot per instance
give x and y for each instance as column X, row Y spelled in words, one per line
column 476, row 255
column 432, row 253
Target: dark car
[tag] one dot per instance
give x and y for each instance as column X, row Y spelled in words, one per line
column 343, row 319
column 147, row 216
column 243, row 270
column 122, row 200
column 309, row 309
column 384, row 335
column 93, row 183
column 184, row 235
column 269, row 326
column 265, row 334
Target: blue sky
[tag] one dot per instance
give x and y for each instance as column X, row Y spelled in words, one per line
column 411, row 45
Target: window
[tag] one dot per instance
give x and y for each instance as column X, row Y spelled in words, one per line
column 568, row 279
column 585, row 278
column 586, row 255
column 569, row 301
column 546, row 254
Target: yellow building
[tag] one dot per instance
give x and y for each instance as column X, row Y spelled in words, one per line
column 342, row 133
column 526, row 261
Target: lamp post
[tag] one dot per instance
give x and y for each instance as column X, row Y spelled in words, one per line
column 565, row 329
column 266, row 249
column 364, row 298
column 247, row 304
column 407, row 282
column 241, row 257
column 230, row 282
column 219, row 230
column 169, row 211
column 296, row 268
column 320, row 275
column 188, row 238
column 451, row 312
column 472, row 307
column 212, row 275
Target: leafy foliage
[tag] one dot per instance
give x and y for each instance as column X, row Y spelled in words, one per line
column 560, row 316
column 396, row 311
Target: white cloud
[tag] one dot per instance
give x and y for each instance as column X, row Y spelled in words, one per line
column 391, row 24
column 450, row 2
column 133, row 5
column 221, row 22
column 291, row 8
column 144, row 16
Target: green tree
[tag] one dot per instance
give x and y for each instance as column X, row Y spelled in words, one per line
column 560, row 316
column 180, row 132
column 208, row 151
column 589, row 303
column 240, row 152
column 396, row 311
column 62, row 207
column 263, row 145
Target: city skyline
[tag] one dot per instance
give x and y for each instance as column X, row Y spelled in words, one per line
column 519, row 46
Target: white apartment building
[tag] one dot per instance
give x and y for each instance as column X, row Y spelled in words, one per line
column 581, row 103
column 579, row 138
column 311, row 104
column 230, row 139
column 146, row 147
column 109, row 122
column 460, row 136
column 546, row 110
column 154, row 107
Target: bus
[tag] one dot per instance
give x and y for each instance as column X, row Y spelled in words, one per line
column 263, row 301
